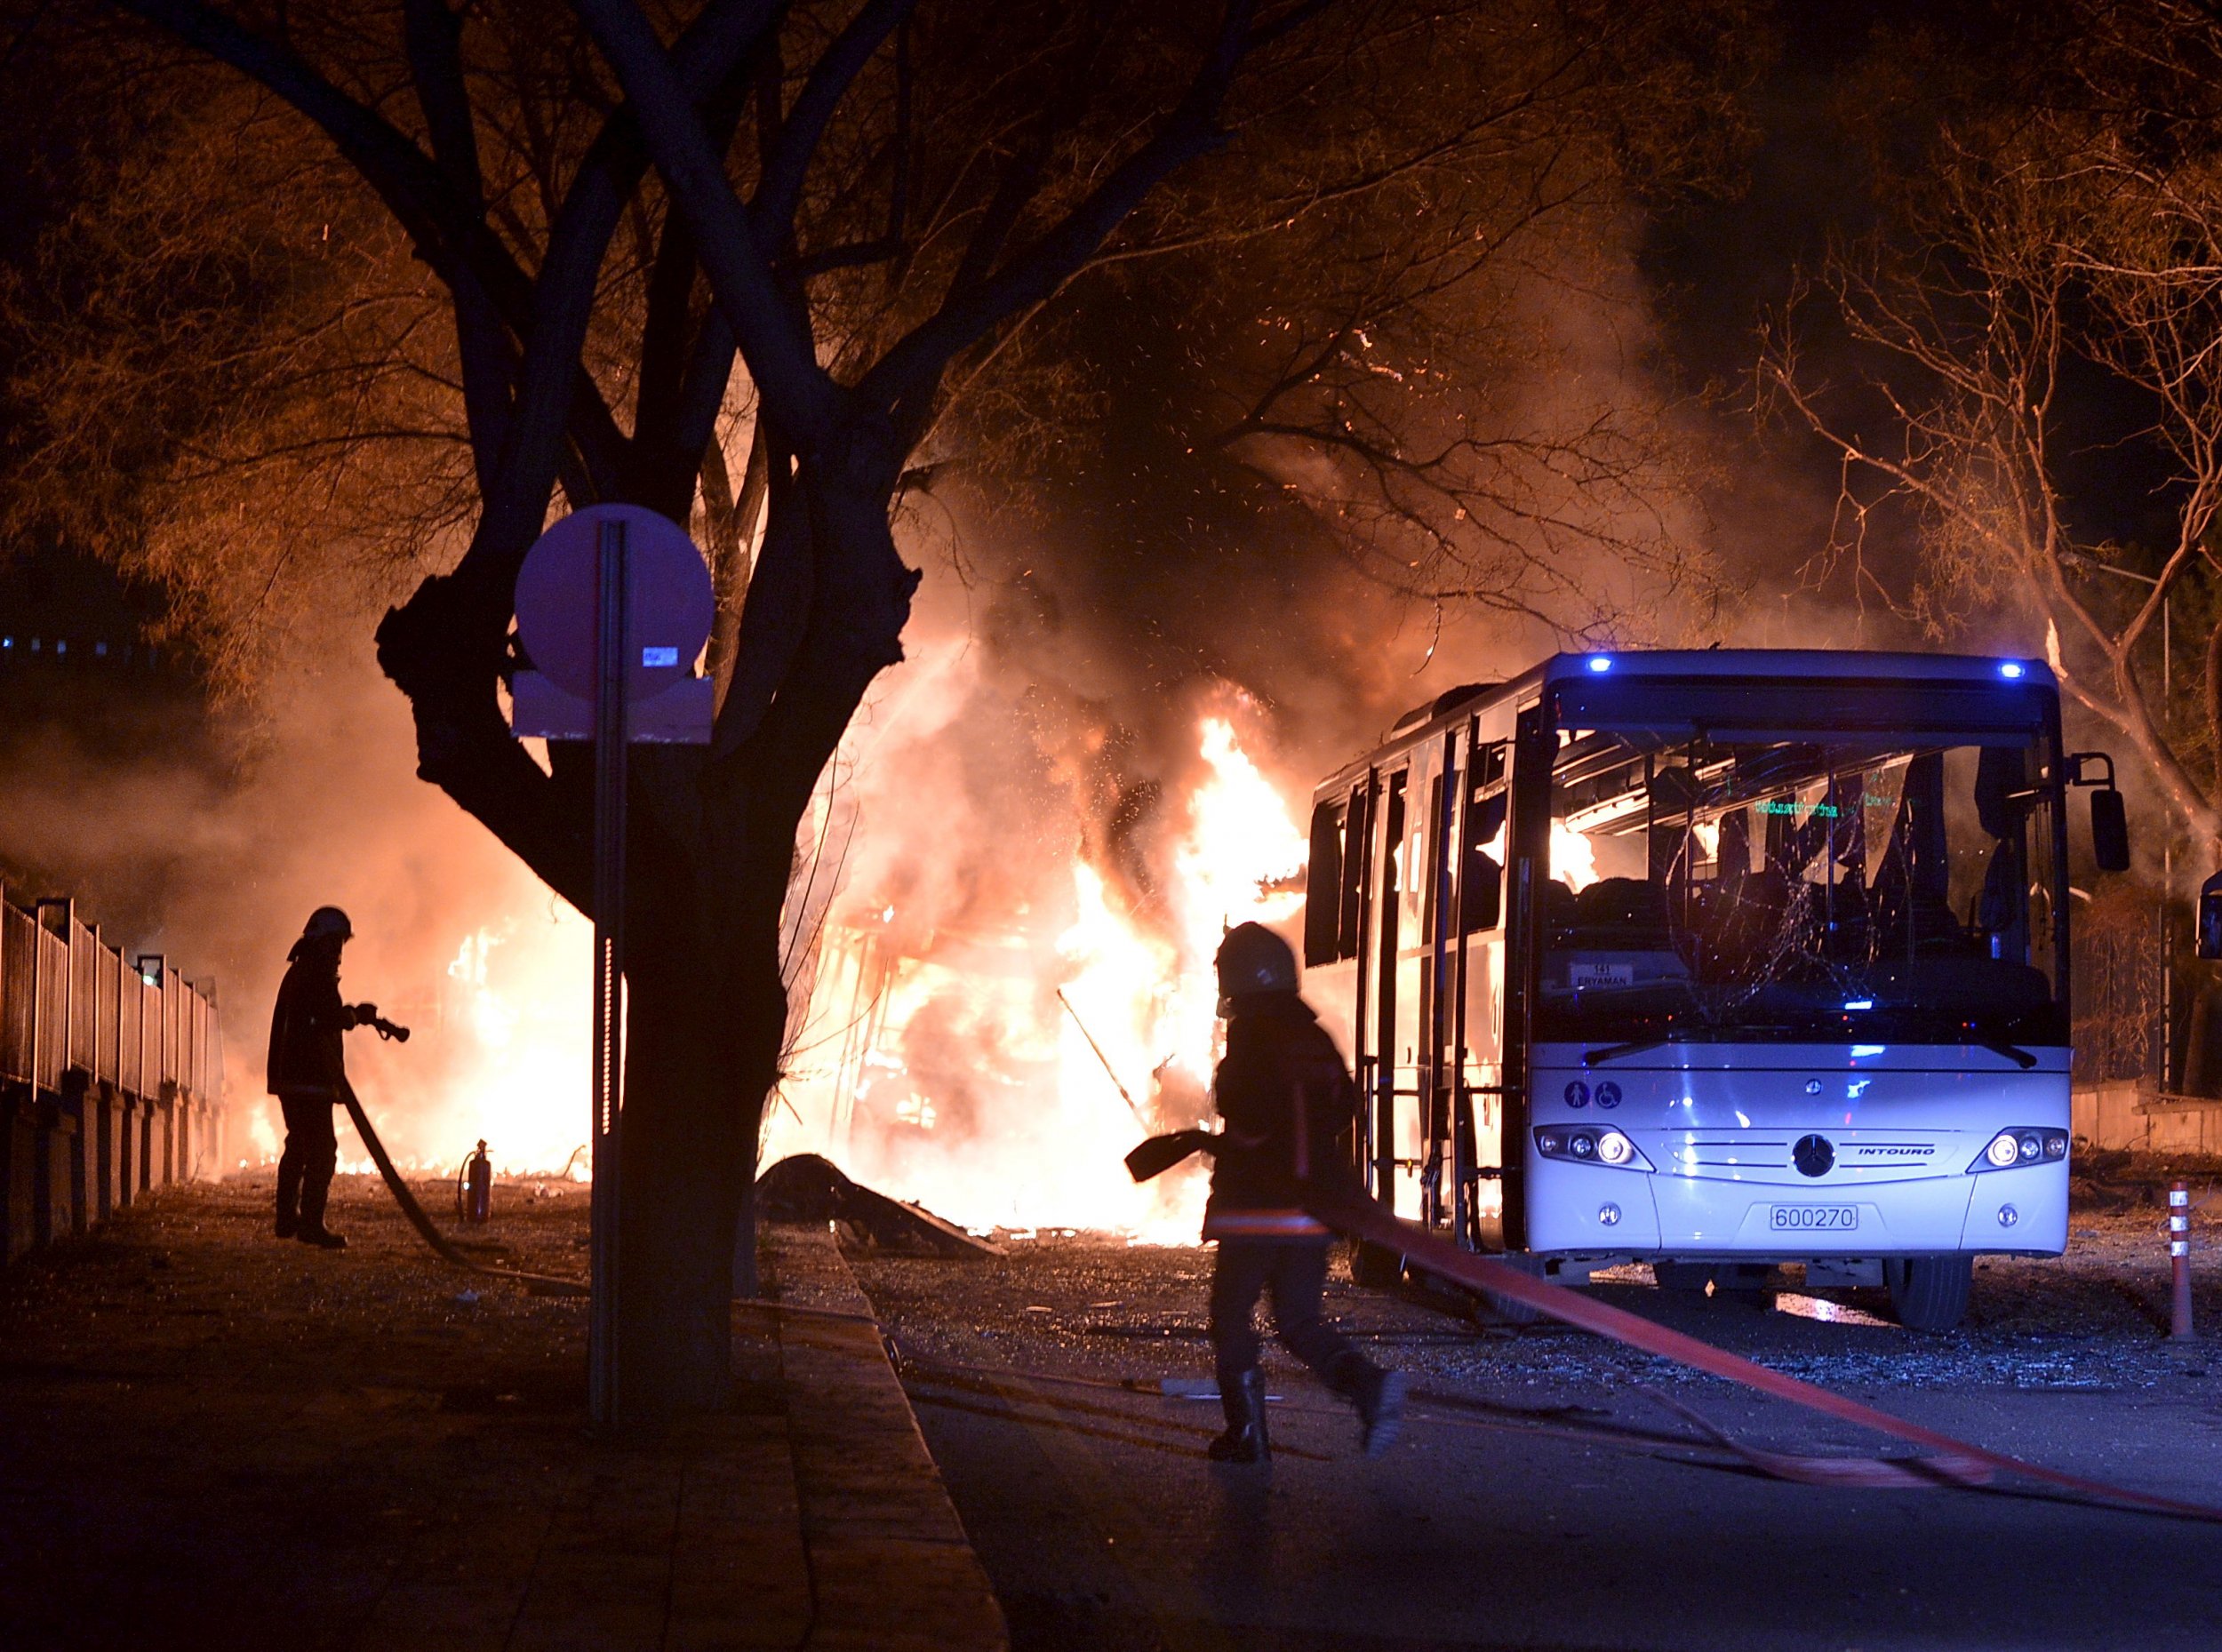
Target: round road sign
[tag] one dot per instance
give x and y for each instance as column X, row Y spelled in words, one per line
column 668, row 600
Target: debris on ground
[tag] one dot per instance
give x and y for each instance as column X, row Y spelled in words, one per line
column 2116, row 1178
column 808, row 1188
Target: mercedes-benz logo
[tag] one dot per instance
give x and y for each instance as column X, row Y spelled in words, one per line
column 1813, row 1155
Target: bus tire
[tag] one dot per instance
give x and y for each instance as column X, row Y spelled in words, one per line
column 1374, row 1268
column 1930, row 1293
column 1503, row 1310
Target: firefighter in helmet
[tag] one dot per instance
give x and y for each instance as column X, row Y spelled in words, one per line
column 307, row 1070
column 1287, row 1105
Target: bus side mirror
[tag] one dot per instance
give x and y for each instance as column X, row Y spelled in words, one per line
column 2109, row 821
column 2211, row 917
column 2109, row 831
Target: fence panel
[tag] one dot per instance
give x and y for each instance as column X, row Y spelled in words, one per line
column 106, row 1001
column 173, row 1026
column 53, row 1008
column 17, row 941
column 189, row 1038
column 84, row 996
column 128, row 1009
column 149, row 1039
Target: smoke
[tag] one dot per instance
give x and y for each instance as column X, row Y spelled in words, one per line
column 1100, row 753
column 211, row 842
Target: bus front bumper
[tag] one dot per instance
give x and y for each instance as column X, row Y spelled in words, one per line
column 1592, row 1211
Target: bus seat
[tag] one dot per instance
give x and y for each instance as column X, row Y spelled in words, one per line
column 1738, row 922
column 1839, row 917
column 1624, row 914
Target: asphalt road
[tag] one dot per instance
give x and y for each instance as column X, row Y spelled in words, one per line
column 1523, row 1522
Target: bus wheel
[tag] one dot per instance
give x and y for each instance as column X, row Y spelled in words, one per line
column 1503, row 1310
column 1930, row 1293
column 1374, row 1268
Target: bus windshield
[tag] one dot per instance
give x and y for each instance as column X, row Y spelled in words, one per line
column 1799, row 884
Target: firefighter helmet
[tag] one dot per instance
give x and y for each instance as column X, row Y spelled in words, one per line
column 327, row 923
column 1253, row 959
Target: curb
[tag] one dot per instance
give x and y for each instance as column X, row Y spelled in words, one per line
column 891, row 1567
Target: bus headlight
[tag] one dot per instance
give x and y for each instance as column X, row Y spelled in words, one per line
column 2021, row 1146
column 1590, row 1144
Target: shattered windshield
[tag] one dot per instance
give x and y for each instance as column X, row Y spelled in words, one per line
column 1798, row 887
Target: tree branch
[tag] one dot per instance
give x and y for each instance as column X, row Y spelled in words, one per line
column 773, row 337
column 904, row 380
column 781, row 192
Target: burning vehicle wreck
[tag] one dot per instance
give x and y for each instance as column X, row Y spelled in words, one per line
column 988, row 1040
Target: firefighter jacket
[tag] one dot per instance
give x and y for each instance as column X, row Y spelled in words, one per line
column 1289, row 1110
column 307, row 1027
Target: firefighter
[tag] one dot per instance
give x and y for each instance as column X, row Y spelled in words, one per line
column 307, row 1070
column 1287, row 1107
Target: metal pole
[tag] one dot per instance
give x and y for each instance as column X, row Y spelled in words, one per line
column 1111, row 1071
column 612, row 744
column 2168, row 883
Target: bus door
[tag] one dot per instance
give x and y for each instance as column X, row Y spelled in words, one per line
column 1534, row 753
column 1431, row 1073
column 1338, row 947
column 1388, row 906
column 1474, row 952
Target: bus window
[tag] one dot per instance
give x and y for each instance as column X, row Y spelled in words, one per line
column 1482, row 877
column 1393, row 882
column 1356, row 848
column 1323, row 887
column 1771, row 888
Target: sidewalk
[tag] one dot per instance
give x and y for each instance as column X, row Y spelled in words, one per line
column 210, row 1438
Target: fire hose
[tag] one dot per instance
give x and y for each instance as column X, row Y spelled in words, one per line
column 1955, row 1462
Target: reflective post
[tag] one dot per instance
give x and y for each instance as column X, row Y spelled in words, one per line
column 2180, row 1260
column 611, row 741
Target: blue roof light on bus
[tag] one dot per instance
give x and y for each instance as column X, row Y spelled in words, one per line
column 2012, row 670
column 1600, row 662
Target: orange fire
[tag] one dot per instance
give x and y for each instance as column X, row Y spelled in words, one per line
column 984, row 1081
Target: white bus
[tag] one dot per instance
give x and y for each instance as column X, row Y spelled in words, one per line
column 1715, row 960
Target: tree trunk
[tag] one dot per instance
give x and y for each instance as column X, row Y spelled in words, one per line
column 683, row 1156
column 707, row 1009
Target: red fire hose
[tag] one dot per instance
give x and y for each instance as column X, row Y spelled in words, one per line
column 1955, row 1461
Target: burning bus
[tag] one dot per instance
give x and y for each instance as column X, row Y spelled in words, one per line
column 1715, row 960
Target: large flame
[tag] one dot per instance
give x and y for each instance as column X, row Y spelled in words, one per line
column 1001, row 1084
column 499, row 1050
column 997, row 1075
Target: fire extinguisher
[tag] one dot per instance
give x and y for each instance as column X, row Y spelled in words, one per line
column 475, row 1187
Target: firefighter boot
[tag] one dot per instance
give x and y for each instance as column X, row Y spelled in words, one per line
column 289, row 1199
column 1378, row 1396
column 1243, row 1400
column 321, row 1237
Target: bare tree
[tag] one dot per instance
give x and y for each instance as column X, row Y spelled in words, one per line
column 1460, row 388
column 2042, row 325
column 559, row 232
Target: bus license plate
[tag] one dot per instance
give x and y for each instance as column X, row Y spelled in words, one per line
column 1809, row 1218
